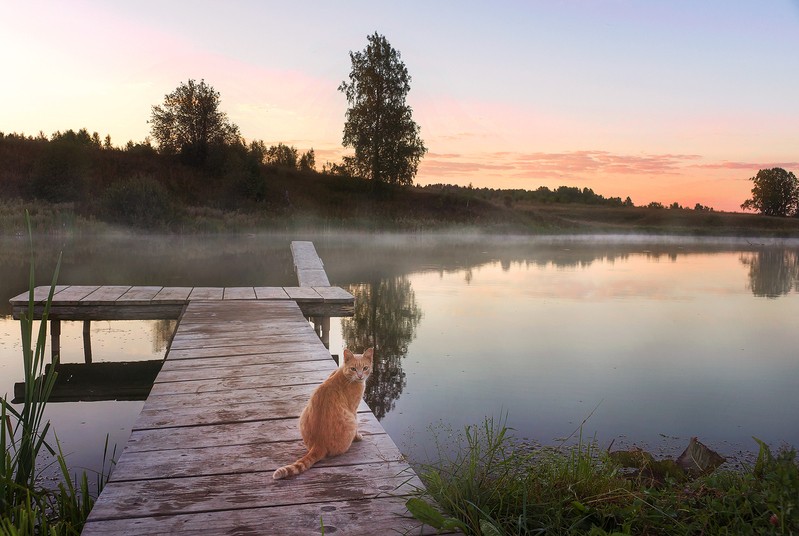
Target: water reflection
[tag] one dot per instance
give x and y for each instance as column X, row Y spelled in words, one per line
column 386, row 317
column 162, row 334
column 772, row 272
column 576, row 322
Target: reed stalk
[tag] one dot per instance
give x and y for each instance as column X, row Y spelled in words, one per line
column 25, row 506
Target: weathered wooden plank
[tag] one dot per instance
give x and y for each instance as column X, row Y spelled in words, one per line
column 220, row 336
column 240, row 433
column 190, row 325
column 384, row 515
column 239, row 293
column 271, row 293
column 240, row 369
column 307, row 300
column 139, row 295
column 229, row 342
column 40, row 294
column 312, row 278
column 275, row 403
column 276, row 346
column 278, row 305
column 305, row 256
column 306, row 294
column 326, row 309
column 193, row 460
column 235, row 379
column 206, row 293
column 281, row 359
column 73, row 294
column 105, row 294
column 173, row 295
column 220, row 407
column 205, row 312
column 335, row 295
column 247, row 318
column 120, row 500
column 106, row 312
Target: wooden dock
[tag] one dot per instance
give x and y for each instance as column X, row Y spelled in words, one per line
column 223, row 414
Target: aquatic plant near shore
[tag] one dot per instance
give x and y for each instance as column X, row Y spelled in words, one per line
column 25, row 506
column 27, row 436
column 496, row 485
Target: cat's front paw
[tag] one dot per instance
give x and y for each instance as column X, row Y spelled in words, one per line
column 358, row 437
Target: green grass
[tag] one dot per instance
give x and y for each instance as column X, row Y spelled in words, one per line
column 495, row 485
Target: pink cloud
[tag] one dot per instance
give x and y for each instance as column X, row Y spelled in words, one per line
column 551, row 165
column 747, row 165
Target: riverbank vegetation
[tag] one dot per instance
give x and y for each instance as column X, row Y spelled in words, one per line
column 495, row 485
column 76, row 183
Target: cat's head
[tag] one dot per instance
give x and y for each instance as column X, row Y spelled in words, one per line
column 357, row 367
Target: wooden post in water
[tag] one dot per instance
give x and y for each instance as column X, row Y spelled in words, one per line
column 55, row 341
column 87, row 341
column 325, row 320
column 321, row 325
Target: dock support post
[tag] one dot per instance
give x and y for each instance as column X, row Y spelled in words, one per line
column 321, row 325
column 55, row 341
column 326, row 331
column 87, row 341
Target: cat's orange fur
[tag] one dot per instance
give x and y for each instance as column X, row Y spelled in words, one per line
column 328, row 423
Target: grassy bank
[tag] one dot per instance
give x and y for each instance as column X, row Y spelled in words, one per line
column 495, row 485
column 74, row 187
column 369, row 216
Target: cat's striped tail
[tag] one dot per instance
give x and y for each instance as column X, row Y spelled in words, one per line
column 301, row 465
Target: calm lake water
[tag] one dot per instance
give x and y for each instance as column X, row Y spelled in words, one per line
column 652, row 340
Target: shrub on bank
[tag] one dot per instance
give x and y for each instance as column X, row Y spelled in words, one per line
column 140, row 202
column 496, row 485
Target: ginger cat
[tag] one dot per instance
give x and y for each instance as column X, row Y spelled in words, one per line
column 328, row 423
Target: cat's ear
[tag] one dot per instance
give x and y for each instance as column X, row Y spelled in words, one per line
column 369, row 353
column 348, row 355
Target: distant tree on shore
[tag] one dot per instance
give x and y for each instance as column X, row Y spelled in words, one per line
column 379, row 123
column 775, row 193
column 308, row 160
column 282, row 155
column 189, row 122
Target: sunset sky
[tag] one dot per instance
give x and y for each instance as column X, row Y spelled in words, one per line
column 653, row 99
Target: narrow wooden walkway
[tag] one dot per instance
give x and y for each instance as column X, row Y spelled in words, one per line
column 223, row 414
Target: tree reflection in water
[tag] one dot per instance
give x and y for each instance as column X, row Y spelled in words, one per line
column 386, row 317
column 772, row 272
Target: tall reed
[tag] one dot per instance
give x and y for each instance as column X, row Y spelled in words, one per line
column 27, row 436
column 25, row 506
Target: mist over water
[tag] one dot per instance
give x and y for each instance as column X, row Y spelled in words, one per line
column 662, row 338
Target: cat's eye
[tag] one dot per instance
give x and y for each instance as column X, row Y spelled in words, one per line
column 353, row 369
